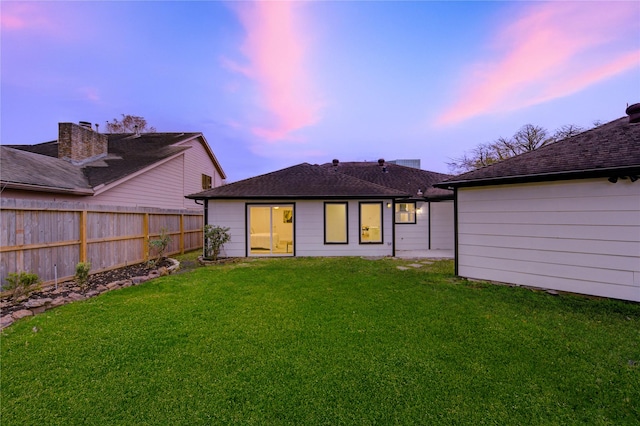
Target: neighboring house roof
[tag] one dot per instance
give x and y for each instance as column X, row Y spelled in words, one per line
column 403, row 178
column 126, row 154
column 303, row 181
column 27, row 170
column 610, row 150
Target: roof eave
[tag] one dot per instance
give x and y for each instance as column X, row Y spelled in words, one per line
column 294, row 197
column 44, row 188
column 541, row 177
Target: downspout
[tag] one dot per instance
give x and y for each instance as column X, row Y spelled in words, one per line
column 429, row 225
column 206, row 222
column 455, row 229
column 393, row 228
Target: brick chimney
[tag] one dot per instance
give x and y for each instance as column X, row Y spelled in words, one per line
column 78, row 144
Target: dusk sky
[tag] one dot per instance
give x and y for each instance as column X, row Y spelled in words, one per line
column 273, row 84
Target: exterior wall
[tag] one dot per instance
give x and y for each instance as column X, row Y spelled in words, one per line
column 159, row 187
column 576, row 236
column 196, row 163
column 308, row 225
column 411, row 236
column 442, row 225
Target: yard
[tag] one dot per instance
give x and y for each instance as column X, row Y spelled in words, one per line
column 324, row 341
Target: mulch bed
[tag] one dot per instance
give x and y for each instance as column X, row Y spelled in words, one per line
column 8, row 306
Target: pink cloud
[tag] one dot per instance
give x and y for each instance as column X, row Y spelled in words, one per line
column 275, row 47
column 543, row 55
column 22, row 16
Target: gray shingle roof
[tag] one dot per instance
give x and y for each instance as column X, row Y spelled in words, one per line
column 302, row 181
column 607, row 150
column 34, row 171
column 127, row 154
column 406, row 179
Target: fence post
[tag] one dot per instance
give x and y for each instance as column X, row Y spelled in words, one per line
column 145, row 231
column 20, row 239
column 83, row 236
column 182, row 233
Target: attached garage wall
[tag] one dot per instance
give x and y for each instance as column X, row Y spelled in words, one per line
column 577, row 236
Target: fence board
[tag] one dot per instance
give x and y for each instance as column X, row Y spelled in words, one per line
column 38, row 236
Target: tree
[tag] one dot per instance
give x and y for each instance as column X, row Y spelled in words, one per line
column 129, row 124
column 528, row 138
column 567, row 131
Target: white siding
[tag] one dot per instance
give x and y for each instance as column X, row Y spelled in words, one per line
column 309, row 229
column 160, row 187
column 577, row 236
column 442, row 226
column 196, row 163
column 414, row 236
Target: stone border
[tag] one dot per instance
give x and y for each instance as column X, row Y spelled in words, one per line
column 38, row 306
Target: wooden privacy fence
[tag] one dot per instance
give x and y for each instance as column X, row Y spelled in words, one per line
column 44, row 237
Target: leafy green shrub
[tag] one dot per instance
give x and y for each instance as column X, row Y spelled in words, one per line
column 160, row 245
column 22, row 283
column 82, row 274
column 214, row 238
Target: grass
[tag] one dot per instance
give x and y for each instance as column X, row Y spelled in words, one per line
column 324, row 341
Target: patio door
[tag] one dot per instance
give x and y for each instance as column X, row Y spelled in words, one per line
column 270, row 230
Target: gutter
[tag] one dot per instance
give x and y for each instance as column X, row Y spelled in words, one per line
column 541, row 177
column 41, row 188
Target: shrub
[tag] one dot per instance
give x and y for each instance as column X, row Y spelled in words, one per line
column 214, row 239
column 22, row 283
column 161, row 244
column 82, row 274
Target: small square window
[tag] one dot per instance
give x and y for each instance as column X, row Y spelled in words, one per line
column 405, row 212
column 206, row 182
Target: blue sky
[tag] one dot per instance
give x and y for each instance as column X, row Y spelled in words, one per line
column 274, row 83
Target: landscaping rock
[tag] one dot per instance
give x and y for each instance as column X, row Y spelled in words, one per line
column 153, row 274
column 126, row 283
column 58, row 301
column 415, row 265
column 92, row 293
column 403, row 268
column 163, row 271
column 37, row 303
column 101, row 288
column 75, row 297
column 21, row 314
column 114, row 285
column 139, row 280
column 6, row 321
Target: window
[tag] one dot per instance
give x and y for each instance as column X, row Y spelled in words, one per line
column 336, row 223
column 206, row 182
column 406, row 212
column 370, row 223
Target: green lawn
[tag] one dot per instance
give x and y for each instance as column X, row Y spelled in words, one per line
column 324, row 341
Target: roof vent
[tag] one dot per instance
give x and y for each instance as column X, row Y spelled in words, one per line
column 336, row 162
column 633, row 111
column 85, row 124
column 381, row 162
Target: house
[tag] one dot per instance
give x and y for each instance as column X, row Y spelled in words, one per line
column 335, row 209
column 137, row 170
column 565, row 216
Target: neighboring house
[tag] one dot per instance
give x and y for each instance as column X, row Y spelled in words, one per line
column 565, row 216
column 336, row 209
column 139, row 170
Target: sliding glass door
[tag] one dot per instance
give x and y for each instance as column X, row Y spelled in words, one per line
column 270, row 229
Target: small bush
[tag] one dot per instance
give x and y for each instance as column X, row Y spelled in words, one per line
column 22, row 283
column 82, row 274
column 214, row 238
column 161, row 244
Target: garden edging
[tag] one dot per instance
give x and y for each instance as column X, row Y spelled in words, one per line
column 35, row 306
